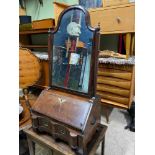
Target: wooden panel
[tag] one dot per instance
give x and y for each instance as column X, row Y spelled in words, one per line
column 115, row 104
column 114, row 2
column 58, row 8
column 128, row 44
column 112, row 89
column 34, row 46
column 132, row 88
column 43, row 24
column 33, row 32
column 64, row 149
column 22, row 12
column 133, row 45
column 126, row 68
column 117, row 74
column 24, row 40
column 113, row 97
column 114, row 82
column 114, row 20
column 44, row 80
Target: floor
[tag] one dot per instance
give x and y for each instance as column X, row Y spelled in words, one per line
column 118, row 140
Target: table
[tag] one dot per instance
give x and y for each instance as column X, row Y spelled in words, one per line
column 47, row 141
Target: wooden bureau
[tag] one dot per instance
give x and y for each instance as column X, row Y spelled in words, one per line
column 114, row 19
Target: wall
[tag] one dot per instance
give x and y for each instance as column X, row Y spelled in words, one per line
column 38, row 12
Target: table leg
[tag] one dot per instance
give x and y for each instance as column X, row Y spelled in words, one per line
column 102, row 146
column 107, row 114
column 31, row 146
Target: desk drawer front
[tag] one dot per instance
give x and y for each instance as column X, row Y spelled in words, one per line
column 115, row 20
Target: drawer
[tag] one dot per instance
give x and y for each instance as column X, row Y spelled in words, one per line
column 113, row 90
column 114, row 2
column 114, row 20
column 113, row 97
column 112, row 81
column 115, row 73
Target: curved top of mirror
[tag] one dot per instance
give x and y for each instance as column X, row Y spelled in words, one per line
column 73, row 51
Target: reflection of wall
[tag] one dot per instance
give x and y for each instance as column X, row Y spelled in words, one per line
column 38, row 12
column 86, row 74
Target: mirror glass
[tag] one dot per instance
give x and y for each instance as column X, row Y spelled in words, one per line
column 72, row 50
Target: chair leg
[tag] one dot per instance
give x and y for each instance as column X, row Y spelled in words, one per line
column 107, row 114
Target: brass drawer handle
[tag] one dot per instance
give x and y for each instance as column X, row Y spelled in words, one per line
column 118, row 19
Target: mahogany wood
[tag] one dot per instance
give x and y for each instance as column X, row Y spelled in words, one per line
column 68, row 117
column 60, row 147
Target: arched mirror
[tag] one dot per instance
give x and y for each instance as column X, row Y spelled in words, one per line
column 73, row 53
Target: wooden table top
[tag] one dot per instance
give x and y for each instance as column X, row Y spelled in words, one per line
column 44, row 139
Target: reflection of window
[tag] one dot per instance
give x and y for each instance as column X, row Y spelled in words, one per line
column 72, row 50
column 90, row 3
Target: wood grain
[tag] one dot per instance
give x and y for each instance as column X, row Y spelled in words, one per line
column 114, row 20
column 44, row 80
column 133, row 45
column 132, row 88
column 113, row 104
column 128, row 45
column 60, row 147
column 114, row 2
column 126, row 68
column 43, row 24
column 120, row 75
column 113, row 97
column 112, row 89
column 114, row 82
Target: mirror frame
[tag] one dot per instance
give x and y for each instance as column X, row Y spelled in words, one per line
column 94, row 56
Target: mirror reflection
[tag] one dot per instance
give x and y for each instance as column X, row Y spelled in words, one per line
column 72, row 49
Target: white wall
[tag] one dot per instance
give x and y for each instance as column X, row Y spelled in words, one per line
column 38, row 12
